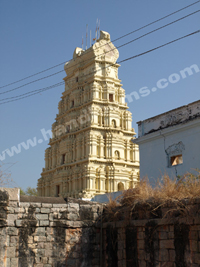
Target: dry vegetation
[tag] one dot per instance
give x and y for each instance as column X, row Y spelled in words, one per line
column 146, row 201
column 5, row 176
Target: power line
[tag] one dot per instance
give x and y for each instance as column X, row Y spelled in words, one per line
column 29, row 83
column 34, row 74
column 138, row 55
column 39, row 90
column 141, row 54
column 159, row 28
column 45, row 77
column 158, row 20
column 105, row 44
column 146, row 52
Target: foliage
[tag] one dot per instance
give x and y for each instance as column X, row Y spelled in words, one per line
column 5, row 176
column 22, row 193
column 30, row 191
column 187, row 186
column 111, row 210
column 167, row 191
column 6, row 180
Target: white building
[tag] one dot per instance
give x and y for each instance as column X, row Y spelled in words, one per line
column 170, row 142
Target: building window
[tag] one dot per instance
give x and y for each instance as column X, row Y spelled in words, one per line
column 57, row 190
column 176, row 160
column 111, row 97
column 76, row 79
column 72, row 103
column 120, row 186
column 175, row 153
column 113, row 123
column 63, row 158
column 68, row 129
column 117, row 155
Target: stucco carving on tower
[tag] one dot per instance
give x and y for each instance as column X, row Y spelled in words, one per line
column 91, row 150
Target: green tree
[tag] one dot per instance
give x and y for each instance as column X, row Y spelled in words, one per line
column 22, row 193
column 30, row 191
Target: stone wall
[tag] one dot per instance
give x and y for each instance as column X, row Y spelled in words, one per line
column 149, row 243
column 153, row 235
column 53, row 232
column 44, row 234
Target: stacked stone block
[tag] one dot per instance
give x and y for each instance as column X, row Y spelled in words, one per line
column 35, row 234
column 72, row 233
column 163, row 242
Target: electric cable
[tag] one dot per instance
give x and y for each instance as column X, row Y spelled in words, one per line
column 158, row 29
column 5, row 92
column 157, row 20
column 40, row 90
column 33, row 74
column 138, row 55
column 141, row 54
column 105, row 44
column 166, row 25
column 48, row 87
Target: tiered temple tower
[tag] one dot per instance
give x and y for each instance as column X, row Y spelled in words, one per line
column 91, row 151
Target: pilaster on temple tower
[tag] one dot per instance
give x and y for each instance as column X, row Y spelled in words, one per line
column 91, row 151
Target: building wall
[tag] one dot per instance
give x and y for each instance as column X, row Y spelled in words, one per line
column 166, row 136
column 154, row 157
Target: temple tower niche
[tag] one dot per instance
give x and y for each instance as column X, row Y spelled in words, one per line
column 91, row 150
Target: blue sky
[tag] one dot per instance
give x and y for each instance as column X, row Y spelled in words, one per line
column 36, row 35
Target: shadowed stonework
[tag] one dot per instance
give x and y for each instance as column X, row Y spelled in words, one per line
column 37, row 234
